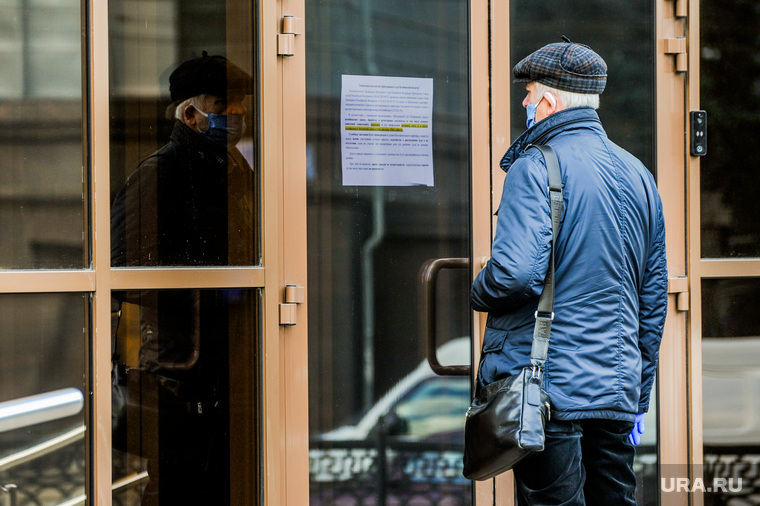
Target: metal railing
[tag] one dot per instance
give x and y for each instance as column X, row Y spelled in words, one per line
column 26, row 411
column 387, row 470
column 42, row 449
column 33, row 410
column 128, row 481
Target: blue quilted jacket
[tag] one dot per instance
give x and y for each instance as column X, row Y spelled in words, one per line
column 611, row 271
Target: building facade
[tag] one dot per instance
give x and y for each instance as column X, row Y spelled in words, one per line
column 374, row 134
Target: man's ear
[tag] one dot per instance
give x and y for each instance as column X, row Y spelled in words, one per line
column 553, row 104
column 189, row 116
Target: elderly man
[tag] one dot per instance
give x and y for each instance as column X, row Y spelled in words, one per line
column 610, row 284
column 188, row 204
column 185, row 203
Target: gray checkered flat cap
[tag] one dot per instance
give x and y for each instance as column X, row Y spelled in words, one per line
column 565, row 66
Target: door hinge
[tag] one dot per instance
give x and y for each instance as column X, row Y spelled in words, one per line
column 677, row 47
column 680, row 287
column 294, row 295
column 680, row 8
column 286, row 39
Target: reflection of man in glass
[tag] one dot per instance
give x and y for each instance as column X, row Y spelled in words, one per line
column 188, row 204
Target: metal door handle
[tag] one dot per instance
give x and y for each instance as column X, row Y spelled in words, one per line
column 430, row 270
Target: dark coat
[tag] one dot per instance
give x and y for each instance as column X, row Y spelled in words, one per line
column 188, row 204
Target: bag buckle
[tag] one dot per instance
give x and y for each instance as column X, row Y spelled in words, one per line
column 544, row 315
column 535, row 372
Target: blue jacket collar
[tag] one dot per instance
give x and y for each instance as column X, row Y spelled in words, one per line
column 551, row 126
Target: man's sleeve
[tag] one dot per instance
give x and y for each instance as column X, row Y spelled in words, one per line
column 522, row 242
column 653, row 304
column 134, row 219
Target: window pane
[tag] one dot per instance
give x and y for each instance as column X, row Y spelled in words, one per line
column 623, row 34
column 730, row 386
column 367, row 339
column 42, row 204
column 53, row 34
column 187, row 396
column 183, row 190
column 435, row 407
column 43, row 351
column 729, row 70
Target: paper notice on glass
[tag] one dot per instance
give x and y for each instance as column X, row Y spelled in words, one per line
column 386, row 127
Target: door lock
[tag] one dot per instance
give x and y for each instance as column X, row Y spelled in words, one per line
column 698, row 133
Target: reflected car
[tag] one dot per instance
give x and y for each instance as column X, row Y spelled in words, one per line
column 418, row 426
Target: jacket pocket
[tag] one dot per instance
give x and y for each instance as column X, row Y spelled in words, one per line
column 493, row 340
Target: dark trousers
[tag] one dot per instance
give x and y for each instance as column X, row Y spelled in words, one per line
column 585, row 462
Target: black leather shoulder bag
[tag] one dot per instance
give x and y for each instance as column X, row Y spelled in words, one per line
column 505, row 422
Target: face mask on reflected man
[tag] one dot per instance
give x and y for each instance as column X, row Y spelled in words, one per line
column 224, row 129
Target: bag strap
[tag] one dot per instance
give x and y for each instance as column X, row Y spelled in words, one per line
column 545, row 311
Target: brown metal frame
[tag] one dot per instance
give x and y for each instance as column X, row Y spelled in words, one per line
column 285, row 378
column 696, row 265
column 701, row 268
column 670, row 119
column 282, row 158
column 490, row 78
column 103, row 279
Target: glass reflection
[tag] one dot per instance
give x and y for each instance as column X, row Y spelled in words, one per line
column 623, row 34
column 42, row 207
column 730, row 383
column 185, row 395
column 370, row 385
column 191, row 202
column 729, row 68
column 43, row 350
column 182, row 187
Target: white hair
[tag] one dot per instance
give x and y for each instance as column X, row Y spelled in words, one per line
column 568, row 98
column 197, row 102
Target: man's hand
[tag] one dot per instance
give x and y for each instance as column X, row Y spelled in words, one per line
column 638, row 429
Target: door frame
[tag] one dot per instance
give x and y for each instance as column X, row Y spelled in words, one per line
column 670, row 122
column 283, row 158
column 283, row 464
column 285, row 376
column 284, row 77
column 495, row 126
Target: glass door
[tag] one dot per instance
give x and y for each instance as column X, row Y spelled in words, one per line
column 389, row 235
column 45, row 276
column 728, row 252
column 187, row 283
